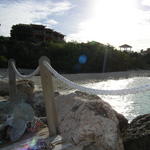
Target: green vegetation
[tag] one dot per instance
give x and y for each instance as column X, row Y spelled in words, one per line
column 71, row 57
column 65, row 57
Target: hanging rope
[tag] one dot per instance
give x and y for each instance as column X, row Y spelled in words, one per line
column 4, row 75
column 25, row 76
column 82, row 88
column 96, row 91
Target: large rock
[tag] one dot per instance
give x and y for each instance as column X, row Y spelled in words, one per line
column 25, row 90
column 137, row 136
column 14, row 117
column 89, row 122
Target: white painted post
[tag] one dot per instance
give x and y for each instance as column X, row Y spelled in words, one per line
column 46, row 80
column 12, row 80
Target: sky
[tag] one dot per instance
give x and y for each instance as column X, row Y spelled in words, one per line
column 113, row 22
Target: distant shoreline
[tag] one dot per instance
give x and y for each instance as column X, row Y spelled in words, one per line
column 108, row 75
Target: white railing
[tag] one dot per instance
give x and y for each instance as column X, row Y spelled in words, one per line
column 46, row 71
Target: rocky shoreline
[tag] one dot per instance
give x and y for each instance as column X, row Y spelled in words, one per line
column 85, row 121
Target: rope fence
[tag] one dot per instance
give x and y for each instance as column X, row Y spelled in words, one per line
column 96, row 91
column 4, row 75
column 74, row 85
column 37, row 70
column 46, row 71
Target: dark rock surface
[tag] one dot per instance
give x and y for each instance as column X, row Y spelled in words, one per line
column 137, row 135
column 123, row 122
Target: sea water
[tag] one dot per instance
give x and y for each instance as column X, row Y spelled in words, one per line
column 130, row 105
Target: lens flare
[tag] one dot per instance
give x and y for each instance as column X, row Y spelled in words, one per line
column 25, row 147
column 33, row 142
column 82, row 59
column 32, row 145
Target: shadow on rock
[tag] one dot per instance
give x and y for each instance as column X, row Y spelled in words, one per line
column 137, row 135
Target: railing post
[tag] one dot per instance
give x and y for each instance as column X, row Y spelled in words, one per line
column 12, row 81
column 46, row 80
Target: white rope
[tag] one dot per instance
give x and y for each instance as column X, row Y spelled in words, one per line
column 96, row 91
column 4, row 75
column 25, row 76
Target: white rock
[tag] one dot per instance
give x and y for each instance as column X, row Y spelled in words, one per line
column 86, row 119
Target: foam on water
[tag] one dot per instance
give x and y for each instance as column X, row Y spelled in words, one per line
column 130, row 105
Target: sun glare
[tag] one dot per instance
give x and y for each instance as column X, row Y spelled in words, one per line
column 113, row 21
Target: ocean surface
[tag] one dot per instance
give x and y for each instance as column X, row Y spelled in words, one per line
column 129, row 105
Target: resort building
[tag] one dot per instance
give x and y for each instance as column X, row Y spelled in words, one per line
column 35, row 33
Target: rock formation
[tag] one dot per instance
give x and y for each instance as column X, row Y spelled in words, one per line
column 25, row 90
column 14, row 117
column 86, row 120
column 137, row 135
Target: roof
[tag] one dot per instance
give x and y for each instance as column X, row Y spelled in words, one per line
column 54, row 32
column 37, row 26
column 125, row 46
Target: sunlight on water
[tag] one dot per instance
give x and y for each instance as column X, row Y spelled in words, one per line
column 130, row 105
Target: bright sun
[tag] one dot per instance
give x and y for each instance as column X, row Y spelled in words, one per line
column 111, row 21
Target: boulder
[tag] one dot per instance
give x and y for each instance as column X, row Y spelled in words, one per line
column 88, row 122
column 137, row 135
column 25, row 90
column 14, row 117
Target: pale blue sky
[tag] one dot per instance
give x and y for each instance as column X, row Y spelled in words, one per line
column 107, row 21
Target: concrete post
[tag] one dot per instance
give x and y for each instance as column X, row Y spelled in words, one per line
column 46, row 80
column 12, row 80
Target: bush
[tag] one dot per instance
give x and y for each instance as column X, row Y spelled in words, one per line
column 3, row 62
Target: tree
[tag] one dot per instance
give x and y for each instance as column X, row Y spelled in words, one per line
column 21, row 32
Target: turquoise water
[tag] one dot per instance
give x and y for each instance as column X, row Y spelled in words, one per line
column 130, row 105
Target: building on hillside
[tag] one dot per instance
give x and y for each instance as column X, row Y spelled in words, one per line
column 35, row 33
column 125, row 47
